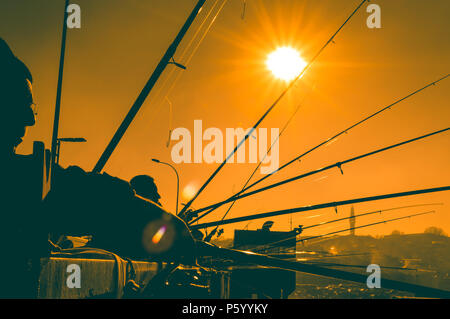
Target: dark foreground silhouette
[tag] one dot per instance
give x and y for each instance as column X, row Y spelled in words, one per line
column 78, row 204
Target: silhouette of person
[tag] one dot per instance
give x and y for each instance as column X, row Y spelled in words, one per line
column 18, row 215
column 16, row 100
column 145, row 186
column 79, row 203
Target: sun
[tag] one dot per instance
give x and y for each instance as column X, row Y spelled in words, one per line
column 285, row 63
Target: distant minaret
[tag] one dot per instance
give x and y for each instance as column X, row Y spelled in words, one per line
column 352, row 221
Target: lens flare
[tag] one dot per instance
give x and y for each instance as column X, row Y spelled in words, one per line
column 189, row 191
column 333, row 250
column 285, row 63
column 157, row 237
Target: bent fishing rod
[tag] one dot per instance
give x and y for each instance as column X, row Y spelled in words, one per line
column 319, row 206
column 168, row 58
column 271, row 107
column 328, row 140
column 298, row 177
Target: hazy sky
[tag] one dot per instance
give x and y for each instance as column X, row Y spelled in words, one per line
column 226, row 84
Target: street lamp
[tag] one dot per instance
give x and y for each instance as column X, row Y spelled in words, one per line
column 178, row 179
column 69, row 140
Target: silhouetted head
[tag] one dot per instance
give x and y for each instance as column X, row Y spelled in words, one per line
column 145, row 186
column 16, row 99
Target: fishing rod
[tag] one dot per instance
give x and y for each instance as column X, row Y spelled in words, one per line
column 199, row 42
column 337, row 164
column 163, row 63
column 207, row 249
column 320, row 257
column 319, row 206
column 350, row 217
column 323, row 264
column 213, row 232
column 349, row 128
column 363, row 226
column 53, row 154
column 366, row 214
column 271, row 107
column 317, row 261
column 271, row 246
column 337, row 256
column 335, row 137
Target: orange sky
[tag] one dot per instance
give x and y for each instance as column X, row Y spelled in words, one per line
column 227, row 85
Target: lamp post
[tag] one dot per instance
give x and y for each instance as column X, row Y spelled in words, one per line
column 178, row 179
column 66, row 139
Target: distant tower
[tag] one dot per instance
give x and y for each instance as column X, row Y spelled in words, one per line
column 352, row 221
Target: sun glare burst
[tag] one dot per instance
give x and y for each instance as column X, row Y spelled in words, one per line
column 285, row 63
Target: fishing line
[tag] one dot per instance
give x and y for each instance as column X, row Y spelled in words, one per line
column 320, row 206
column 208, row 237
column 188, row 46
column 203, row 36
column 347, row 129
column 167, row 89
column 291, row 84
column 362, row 226
column 166, row 59
column 326, row 264
column 325, row 142
column 380, row 211
column 170, row 121
column 54, row 146
column 267, row 261
column 301, row 176
column 186, row 62
column 367, row 225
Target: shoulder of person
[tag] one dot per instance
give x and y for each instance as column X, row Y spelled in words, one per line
column 75, row 176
